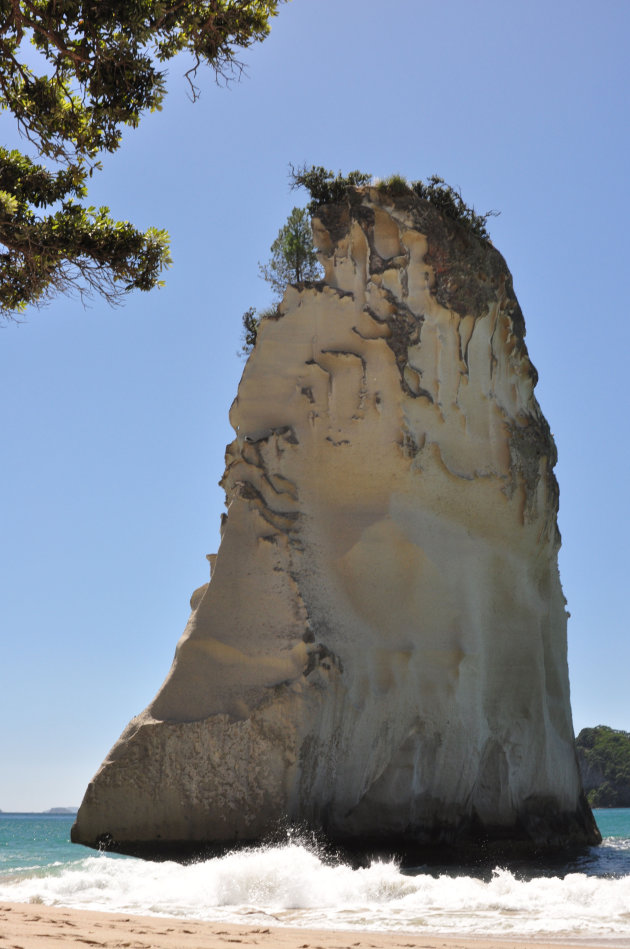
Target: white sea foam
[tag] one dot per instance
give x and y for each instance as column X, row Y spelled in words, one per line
column 293, row 886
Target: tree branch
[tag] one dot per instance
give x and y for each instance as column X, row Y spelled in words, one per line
column 51, row 35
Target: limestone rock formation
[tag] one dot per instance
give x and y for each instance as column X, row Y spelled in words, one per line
column 381, row 651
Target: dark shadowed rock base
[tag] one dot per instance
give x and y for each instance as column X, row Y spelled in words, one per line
column 542, row 838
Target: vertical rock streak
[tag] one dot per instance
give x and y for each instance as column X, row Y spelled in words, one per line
column 381, row 651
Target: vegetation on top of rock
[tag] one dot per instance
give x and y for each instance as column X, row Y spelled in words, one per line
column 293, row 260
column 604, row 760
column 452, row 205
column 325, row 187
column 97, row 67
column 251, row 320
column 250, row 330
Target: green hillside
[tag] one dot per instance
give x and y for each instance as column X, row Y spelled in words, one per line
column 604, row 760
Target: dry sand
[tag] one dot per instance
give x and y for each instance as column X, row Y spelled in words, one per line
column 33, row 926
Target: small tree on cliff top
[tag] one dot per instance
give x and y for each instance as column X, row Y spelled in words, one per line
column 293, row 257
column 101, row 69
column 293, row 260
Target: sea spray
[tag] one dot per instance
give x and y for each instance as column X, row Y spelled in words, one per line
column 293, row 885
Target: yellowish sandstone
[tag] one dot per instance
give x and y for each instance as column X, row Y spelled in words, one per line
column 381, row 651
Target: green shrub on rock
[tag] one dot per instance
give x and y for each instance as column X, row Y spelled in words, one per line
column 327, row 188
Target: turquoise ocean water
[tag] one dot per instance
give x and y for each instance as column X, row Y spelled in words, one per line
column 292, row 884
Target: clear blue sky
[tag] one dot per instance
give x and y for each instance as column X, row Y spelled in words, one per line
column 115, row 421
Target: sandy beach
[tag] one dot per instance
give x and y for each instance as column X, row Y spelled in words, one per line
column 33, row 926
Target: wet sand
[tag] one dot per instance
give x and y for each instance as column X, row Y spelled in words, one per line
column 34, row 926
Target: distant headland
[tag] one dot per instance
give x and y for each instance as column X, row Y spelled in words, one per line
column 604, row 759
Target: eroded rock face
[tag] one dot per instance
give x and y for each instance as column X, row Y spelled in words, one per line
column 381, row 651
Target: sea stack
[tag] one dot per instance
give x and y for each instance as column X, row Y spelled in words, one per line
column 380, row 654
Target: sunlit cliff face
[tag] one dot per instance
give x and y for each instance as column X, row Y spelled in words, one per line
column 381, row 650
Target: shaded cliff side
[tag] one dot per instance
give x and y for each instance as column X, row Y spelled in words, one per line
column 380, row 655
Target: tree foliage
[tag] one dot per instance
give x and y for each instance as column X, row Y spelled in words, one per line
column 451, row 204
column 104, row 59
column 325, row 188
column 604, row 757
column 251, row 321
column 293, row 257
column 293, row 260
column 250, row 329
column 100, row 69
column 74, row 247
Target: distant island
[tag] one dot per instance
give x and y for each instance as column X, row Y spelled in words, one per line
column 604, row 759
column 68, row 811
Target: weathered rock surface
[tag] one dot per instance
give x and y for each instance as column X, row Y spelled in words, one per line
column 381, row 651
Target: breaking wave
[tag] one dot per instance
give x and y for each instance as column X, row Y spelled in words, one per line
column 294, row 885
